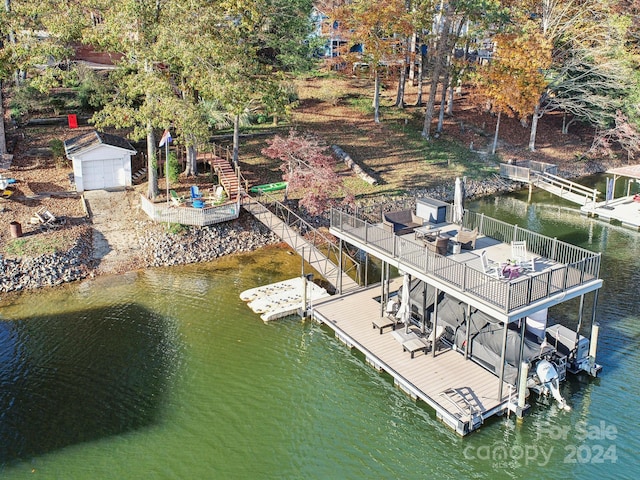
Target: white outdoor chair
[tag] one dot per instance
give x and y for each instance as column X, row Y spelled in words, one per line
column 521, row 256
column 489, row 266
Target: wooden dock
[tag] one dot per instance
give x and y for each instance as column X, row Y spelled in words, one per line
column 624, row 210
column 462, row 393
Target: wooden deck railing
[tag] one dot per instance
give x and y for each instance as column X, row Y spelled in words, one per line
column 575, row 265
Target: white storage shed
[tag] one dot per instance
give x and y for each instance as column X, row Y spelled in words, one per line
column 100, row 161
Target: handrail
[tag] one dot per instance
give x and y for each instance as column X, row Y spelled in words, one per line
column 567, row 185
column 313, row 236
column 576, row 266
column 473, row 410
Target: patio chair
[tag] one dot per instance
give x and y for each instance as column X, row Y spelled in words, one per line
column 521, row 256
column 219, row 194
column 438, row 245
column 490, row 267
column 175, row 198
column 195, row 192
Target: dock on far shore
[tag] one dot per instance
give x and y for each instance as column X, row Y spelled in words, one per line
column 625, row 210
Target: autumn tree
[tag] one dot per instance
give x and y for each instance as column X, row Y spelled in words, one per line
column 450, row 20
column 374, row 25
column 513, row 80
column 588, row 78
column 32, row 34
column 306, row 168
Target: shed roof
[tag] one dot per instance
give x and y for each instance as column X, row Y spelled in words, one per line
column 94, row 139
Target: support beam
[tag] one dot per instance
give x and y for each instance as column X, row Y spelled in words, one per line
column 502, row 360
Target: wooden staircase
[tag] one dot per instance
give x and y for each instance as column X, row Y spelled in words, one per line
column 227, row 175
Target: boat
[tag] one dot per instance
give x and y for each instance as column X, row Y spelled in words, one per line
column 268, row 187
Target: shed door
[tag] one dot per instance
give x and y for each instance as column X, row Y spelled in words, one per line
column 99, row 174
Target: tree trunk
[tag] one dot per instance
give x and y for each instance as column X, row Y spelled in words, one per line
column 236, row 139
column 420, row 77
column 191, row 165
column 495, row 135
column 376, row 97
column 412, row 53
column 3, row 139
column 402, row 81
column 443, row 101
column 534, row 128
column 152, row 163
column 437, row 67
column 428, row 117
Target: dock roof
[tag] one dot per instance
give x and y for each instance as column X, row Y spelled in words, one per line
column 631, row 171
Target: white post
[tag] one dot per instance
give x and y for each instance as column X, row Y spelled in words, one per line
column 522, row 388
column 166, row 168
column 593, row 345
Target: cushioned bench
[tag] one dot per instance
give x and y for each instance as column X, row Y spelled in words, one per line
column 401, row 221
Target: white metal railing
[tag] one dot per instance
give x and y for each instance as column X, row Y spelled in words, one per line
column 333, row 260
column 576, row 265
column 161, row 212
column 566, row 186
column 525, row 172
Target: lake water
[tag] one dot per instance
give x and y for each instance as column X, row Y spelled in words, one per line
column 166, row 374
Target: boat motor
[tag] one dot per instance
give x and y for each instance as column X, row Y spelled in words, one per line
column 548, row 376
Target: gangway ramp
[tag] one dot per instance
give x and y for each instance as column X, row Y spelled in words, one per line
column 571, row 191
column 338, row 277
column 543, row 175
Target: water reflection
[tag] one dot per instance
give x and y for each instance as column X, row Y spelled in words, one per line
column 82, row 376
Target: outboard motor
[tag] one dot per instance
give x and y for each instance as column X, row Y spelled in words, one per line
column 548, row 376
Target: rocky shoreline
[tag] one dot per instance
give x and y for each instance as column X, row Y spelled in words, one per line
column 159, row 247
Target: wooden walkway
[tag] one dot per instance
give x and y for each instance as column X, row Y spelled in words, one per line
column 317, row 259
column 563, row 188
column 462, row 393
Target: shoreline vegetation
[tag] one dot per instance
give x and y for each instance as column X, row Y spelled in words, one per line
column 408, row 167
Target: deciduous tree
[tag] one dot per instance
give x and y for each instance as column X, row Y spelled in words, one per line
column 306, row 168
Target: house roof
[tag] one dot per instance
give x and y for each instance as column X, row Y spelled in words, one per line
column 88, row 141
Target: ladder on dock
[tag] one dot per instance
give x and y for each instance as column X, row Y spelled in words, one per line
column 307, row 245
column 571, row 191
column 464, row 402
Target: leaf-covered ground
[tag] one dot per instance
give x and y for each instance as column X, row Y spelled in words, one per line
column 338, row 110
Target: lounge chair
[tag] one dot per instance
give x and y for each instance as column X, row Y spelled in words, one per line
column 219, row 194
column 175, row 198
column 438, row 244
column 195, row 192
column 467, row 238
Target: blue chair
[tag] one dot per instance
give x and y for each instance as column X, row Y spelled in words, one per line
column 195, row 192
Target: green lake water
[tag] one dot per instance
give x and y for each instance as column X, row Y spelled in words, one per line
column 167, row 374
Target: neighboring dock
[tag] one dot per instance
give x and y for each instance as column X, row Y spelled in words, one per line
column 626, row 209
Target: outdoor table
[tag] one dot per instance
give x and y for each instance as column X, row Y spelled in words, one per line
column 414, row 345
column 511, row 270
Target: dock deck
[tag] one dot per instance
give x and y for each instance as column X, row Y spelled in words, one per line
column 624, row 210
column 462, row 393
